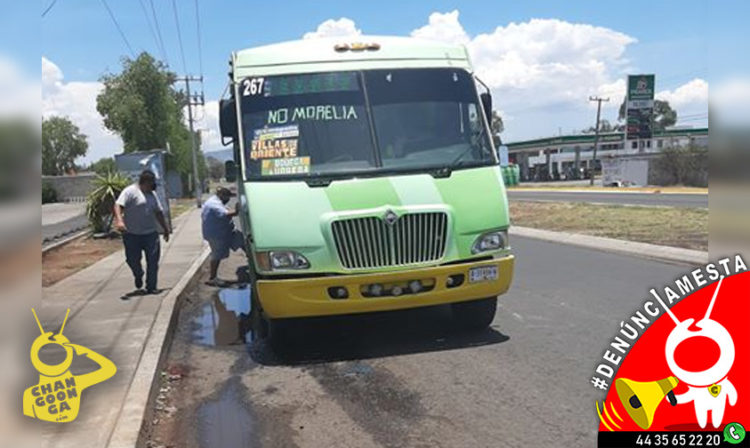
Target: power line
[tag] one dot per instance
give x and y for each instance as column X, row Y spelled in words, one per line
column 596, row 136
column 194, row 100
column 158, row 32
column 179, row 36
column 151, row 28
column 44, row 13
column 198, row 27
column 117, row 25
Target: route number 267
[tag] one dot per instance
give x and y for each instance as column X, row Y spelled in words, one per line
column 252, row 86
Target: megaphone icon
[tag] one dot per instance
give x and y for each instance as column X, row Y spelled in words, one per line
column 641, row 399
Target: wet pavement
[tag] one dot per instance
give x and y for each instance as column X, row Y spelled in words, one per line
column 225, row 421
column 403, row 379
column 226, row 319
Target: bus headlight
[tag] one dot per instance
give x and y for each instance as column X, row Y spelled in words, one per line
column 283, row 260
column 490, row 241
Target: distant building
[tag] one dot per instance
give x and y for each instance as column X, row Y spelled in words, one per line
column 569, row 157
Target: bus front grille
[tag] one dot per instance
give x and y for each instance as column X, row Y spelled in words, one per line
column 371, row 242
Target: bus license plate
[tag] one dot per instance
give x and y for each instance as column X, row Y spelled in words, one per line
column 482, row 274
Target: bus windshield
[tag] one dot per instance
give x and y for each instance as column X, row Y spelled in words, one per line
column 361, row 122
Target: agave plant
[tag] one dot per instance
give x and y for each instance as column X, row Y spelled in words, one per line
column 100, row 202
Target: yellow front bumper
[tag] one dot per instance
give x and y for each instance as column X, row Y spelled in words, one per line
column 309, row 296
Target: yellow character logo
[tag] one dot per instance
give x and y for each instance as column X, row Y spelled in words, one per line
column 57, row 395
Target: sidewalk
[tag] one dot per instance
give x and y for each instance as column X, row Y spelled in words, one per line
column 118, row 329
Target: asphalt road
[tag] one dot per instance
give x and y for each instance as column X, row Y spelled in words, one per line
column 653, row 199
column 62, row 219
column 400, row 379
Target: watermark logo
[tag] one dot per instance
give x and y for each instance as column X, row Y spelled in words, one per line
column 679, row 364
column 57, row 395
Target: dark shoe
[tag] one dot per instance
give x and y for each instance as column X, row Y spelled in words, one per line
column 152, row 291
column 136, row 293
column 138, row 282
column 217, row 282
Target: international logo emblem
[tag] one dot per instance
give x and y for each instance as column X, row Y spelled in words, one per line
column 390, row 217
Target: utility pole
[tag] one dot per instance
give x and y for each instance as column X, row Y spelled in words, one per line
column 596, row 134
column 194, row 100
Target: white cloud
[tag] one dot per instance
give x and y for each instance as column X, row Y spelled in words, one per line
column 342, row 27
column 542, row 71
column 208, row 123
column 443, row 28
column 692, row 93
column 77, row 101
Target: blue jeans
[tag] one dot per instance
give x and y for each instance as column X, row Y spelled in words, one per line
column 148, row 244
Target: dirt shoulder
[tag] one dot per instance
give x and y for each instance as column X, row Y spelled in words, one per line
column 78, row 254
column 666, row 226
column 599, row 189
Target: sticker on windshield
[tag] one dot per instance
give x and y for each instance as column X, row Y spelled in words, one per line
column 276, row 167
column 274, row 143
column 291, row 131
column 321, row 112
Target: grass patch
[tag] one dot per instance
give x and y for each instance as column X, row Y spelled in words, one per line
column 666, row 226
column 672, row 189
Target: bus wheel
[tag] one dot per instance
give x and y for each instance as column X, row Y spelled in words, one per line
column 278, row 335
column 258, row 323
column 474, row 315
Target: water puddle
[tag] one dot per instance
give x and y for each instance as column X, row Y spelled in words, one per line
column 225, row 421
column 225, row 320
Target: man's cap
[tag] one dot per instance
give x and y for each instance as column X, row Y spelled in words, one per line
column 225, row 191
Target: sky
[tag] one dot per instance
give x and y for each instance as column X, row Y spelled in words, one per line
column 542, row 59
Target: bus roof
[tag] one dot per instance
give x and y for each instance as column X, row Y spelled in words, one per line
column 320, row 55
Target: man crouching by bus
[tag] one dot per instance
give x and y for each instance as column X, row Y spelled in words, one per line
column 219, row 231
column 137, row 212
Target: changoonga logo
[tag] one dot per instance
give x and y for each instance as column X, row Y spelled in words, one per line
column 57, row 395
column 680, row 363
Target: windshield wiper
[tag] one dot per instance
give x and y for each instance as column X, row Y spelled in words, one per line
column 457, row 162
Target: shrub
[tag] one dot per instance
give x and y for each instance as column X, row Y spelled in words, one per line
column 682, row 165
column 49, row 194
column 100, row 202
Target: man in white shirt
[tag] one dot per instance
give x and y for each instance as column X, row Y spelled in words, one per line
column 137, row 212
column 219, row 231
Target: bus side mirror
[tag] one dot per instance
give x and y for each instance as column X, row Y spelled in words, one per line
column 487, row 106
column 230, row 171
column 227, row 121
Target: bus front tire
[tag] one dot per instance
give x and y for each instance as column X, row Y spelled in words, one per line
column 474, row 315
column 278, row 335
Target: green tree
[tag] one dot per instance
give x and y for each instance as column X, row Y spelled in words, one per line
column 604, row 126
column 664, row 115
column 142, row 106
column 103, row 166
column 62, row 143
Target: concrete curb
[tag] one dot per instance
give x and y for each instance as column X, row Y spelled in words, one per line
column 128, row 427
column 65, row 240
column 644, row 250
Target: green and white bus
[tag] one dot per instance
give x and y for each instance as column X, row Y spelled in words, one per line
column 367, row 179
